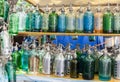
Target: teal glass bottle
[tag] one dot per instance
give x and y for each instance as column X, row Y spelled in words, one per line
column 116, row 28
column 88, row 66
column 25, row 59
column 105, row 65
column 6, row 10
column 61, row 21
column 29, row 19
column 45, row 20
column 43, row 39
column 2, row 8
column 108, row 22
column 88, row 20
column 53, row 17
column 74, row 66
column 13, row 22
column 37, row 20
column 79, row 21
column 22, row 18
column 11, row 70
column 70, row 20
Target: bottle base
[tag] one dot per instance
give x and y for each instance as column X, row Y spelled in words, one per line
column 116, row 31
column 102, row 78
column 107, row 31
column 87, row 77
column 88, row 31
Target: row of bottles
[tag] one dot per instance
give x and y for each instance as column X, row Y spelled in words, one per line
column 33, row 20
column 49, row 59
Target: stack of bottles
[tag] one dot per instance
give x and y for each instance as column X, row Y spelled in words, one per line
column 51, row 59
column 31, row 19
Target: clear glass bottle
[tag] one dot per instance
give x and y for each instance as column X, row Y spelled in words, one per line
column 74, row 66
column 37, row 20
column 108, row 21
column 53, row 18
column 11, row 70
column 13, row 22
column 88, row 66
column 22, row 18
column 47, row 62
column 70, row 20
column 79, row 21
column 88, row 20
column 34, row 60
column 116, row 28
column 6, row 10
column 60, row 63
column 1, row 8
column 116, row 66
column 105, row 65
column 41, row 53
column 68, row 58
column 61, row 21
column 98, row 17
column 3, row 73
column 45, row 20
column 5, row 42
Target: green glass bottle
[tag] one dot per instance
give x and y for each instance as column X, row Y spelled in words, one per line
column 43, row 39
column 13, row 22
column 2, row 8
column 88, row 66
column 74, row 66
column 108, row 21
column 6, row 10
column 53, row 20
column 105, row 64
column 45, row 20
column 16, row 56
column 11, row 70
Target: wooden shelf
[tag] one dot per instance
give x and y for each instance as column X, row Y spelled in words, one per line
column 96, row 79
column 64, row 34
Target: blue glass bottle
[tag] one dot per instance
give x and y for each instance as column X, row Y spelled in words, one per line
column 37, row 20
column 70, row 20
column 61, row 21
column 79, row 21
column 88, row 20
